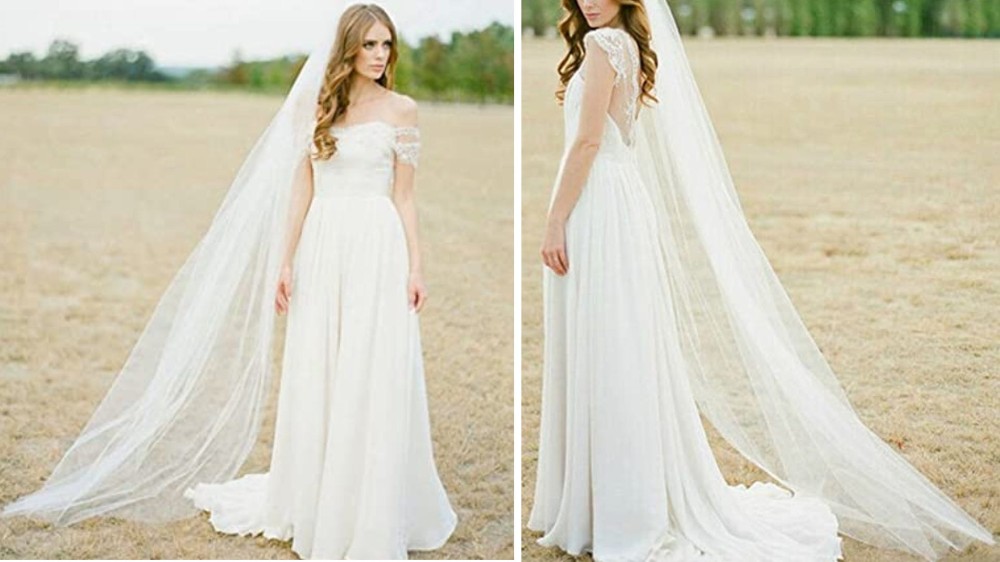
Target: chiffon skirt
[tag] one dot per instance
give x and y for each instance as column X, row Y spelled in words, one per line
column 625, row 470
column 352, row 472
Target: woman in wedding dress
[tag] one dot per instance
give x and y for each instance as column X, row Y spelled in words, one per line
column 352, row 473
column 657, row 300
column 321, row 223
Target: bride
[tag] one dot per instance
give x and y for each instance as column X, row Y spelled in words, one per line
column 322, row 218
column 659, row 303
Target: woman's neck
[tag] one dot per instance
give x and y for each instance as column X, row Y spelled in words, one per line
column 362, row 88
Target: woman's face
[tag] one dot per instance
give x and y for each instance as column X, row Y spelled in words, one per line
column 599, row 13
column 373, row 57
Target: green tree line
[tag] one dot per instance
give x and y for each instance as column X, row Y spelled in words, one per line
column 857, row 18
column 62, row 62
column 476, row 66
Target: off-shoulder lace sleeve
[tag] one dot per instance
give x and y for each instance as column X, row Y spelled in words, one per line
column 407, row 145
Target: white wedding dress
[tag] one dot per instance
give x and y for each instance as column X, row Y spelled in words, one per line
column 352, row 473
column 625, row 470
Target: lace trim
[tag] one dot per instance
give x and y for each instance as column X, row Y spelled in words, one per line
column 406, row 140
column 623, row 55
column 407, row 145
column 611, row 43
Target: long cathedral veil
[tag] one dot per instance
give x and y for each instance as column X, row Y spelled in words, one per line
column 186, row 406
column 758, row 376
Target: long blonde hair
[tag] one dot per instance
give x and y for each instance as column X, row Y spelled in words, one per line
column 333, row 97
column 573, row 26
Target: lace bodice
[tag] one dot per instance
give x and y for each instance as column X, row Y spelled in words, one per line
column 623, row 55
column 366, row 158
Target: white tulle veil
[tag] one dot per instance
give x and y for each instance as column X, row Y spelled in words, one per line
column 758, row 376
column 186, row 406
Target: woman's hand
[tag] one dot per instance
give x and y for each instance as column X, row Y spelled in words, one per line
column 554, row 247
column 416, row 291
column 284, row 293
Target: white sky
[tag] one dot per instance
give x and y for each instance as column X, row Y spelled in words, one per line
column 206, row 32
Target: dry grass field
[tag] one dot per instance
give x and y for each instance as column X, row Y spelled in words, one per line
column 869, row 172
column 103, row 194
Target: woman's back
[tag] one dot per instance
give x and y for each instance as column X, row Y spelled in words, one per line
column 617, row 48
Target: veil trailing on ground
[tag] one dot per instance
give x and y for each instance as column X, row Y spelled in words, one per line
column 757, row 374
column 186, row 406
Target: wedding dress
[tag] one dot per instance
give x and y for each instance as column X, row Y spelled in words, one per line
column 625, row 469
column 668, row 305
column 352, row 472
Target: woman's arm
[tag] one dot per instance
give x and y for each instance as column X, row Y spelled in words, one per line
column 302, row 194
column 404, row 199
column 597, row 90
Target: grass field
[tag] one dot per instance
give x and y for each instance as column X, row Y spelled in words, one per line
column 868, row 170
column 103, row 193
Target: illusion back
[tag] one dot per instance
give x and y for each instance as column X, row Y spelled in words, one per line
column 364, row 163
column 623, row 54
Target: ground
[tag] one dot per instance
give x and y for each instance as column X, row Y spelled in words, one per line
column 868, row 171
column 103, row 193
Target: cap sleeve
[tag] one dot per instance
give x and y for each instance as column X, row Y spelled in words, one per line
column 407, row 145
column 611, row 41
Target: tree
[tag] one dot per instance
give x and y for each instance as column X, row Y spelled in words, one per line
column 864, row 18
column 62, row 61
column 124, row 64
column 930, row 13
column 404, row 66
column 952, row 17
column 819, row 14
column 237, row 73
column 783, row 17
column 975, row 18
column 724, row 16
column 801, row 18
column 431, row 72
column 23, row 64
column 913, row 19
column 991, row 11
column 701, row 11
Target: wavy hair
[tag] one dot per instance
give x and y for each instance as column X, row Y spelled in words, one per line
column 333, row 96
column 573, row 26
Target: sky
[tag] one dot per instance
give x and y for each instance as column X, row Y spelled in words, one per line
column 207, row 32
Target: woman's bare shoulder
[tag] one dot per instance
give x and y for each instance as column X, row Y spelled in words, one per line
column 402, row 108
